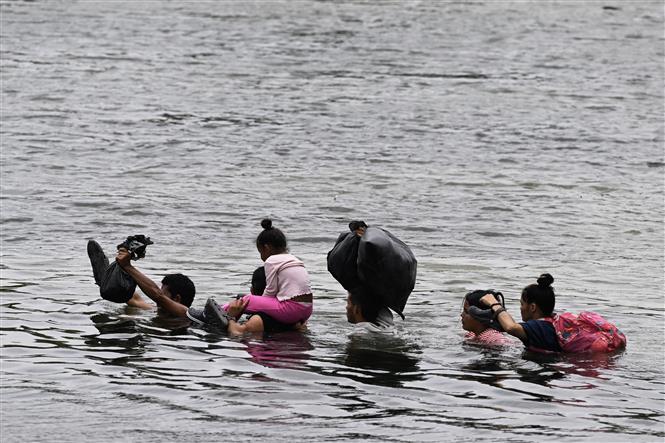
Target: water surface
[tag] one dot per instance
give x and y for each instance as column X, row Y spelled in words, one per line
column 499, row 140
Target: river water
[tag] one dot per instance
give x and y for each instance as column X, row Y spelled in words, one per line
column 499, row 140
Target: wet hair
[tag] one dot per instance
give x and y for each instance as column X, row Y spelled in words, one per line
column 271, row 236
column 258, row 281
column 541, row 293
column 356, row 224
column 368, row 303
column 473, row 298
column 181, row 285
column 480, row 311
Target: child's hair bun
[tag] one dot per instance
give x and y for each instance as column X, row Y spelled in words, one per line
column 545, row 280
column 266, row 224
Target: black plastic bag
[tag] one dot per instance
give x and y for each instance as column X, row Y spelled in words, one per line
column 136, row 245
column 343, row 260
column 116, row 285
column 387, row 267
column 378, row 262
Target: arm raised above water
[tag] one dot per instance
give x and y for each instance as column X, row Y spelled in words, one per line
column 503, row 317
column 150, row 288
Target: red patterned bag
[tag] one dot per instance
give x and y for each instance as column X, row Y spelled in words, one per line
column 586, row 332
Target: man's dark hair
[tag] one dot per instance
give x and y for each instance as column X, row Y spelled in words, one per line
column 259, row 281
column 181, row 285
column 370, row 305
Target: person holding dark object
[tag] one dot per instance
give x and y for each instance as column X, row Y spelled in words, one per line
column 367, row 312
column 378, row 271
column 118, row 280
column 536, row 304
column 543, row 330
column 174, row 296
column 479, row 322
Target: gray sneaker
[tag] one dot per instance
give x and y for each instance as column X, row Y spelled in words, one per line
column 98, row 260
column 197, row 316
column 215, row 316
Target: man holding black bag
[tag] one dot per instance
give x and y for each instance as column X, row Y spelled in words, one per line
column 379, row 272
column 118, row 280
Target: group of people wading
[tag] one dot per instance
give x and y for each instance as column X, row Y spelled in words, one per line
column 377, row 270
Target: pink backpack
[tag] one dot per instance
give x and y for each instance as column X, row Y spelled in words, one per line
column 586, row 332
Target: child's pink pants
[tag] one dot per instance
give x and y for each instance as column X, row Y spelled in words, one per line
column 287, row 312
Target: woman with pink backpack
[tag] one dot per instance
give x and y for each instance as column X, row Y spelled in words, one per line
column 544, row 331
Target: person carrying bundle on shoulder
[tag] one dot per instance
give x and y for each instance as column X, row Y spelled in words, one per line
column 118, row 280
column 378, row 271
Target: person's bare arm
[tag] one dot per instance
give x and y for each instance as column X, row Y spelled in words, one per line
column 137, row 302
column 253, row 325
column 504, row 318
column 149, row 287
column 234, row 311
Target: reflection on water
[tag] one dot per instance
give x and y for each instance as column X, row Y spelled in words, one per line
column 381, row 359
column 592, row 365
column 281, row 350
column 493, row 369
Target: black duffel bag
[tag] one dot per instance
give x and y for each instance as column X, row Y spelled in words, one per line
column 377, row 261
column 343, row 257
column 115, row 284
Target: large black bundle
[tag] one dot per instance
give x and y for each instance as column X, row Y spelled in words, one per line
column 115, row 284
column 387, row 267
column 377, row 261
column 343, row 260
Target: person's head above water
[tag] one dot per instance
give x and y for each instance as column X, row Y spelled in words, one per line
column 179, row 288
column 361, row 306
column 471, row 323
column 258, row 281
column 537, row 299
column 476, row 317
column 270, row 241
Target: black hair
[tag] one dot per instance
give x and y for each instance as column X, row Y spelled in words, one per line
column 368, row 303
column 480, row 311
column 181, row 285
column 473, row 297
column 356, row 224
column 271, row 236
column 258, row 281
column 541, row 293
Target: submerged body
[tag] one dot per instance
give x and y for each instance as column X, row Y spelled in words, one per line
column 384, row 322
column 489, row 337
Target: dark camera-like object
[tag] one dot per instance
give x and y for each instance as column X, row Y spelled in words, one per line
column 136, row 245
